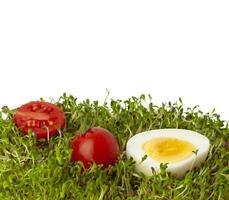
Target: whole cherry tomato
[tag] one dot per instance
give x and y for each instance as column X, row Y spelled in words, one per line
column 96, row 145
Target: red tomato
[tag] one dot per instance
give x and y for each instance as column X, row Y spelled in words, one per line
column 41, row 118
column 95, row 145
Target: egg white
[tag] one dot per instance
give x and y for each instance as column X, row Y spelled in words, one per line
column 135, row 150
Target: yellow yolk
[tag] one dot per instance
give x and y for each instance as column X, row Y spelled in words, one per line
column 168, row 150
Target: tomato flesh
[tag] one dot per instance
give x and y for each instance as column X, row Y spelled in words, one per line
column 42, row 118
column 96, row 145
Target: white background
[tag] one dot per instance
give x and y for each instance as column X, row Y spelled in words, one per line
column 168, row 49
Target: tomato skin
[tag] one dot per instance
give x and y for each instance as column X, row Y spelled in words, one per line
column 42, row 118
column 95, row 145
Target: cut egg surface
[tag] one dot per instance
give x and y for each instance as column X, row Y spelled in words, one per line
column 181, row 149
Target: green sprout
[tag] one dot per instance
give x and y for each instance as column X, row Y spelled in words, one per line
column 196, row 151
column 31, row 169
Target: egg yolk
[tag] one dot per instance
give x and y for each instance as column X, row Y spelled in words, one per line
column 168, row 150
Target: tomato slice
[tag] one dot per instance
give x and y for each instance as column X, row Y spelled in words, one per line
column 42, row 118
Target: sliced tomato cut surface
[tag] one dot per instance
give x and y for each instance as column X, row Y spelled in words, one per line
column 42, row 118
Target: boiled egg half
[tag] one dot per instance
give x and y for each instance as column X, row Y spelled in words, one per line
column 181, row 149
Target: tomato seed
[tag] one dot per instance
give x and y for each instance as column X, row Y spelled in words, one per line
column 34, row 108
column 50, row 123
column 44, row 123
column 44, row 109
column 49, row 109
column 33, row 123
column 29, row 123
